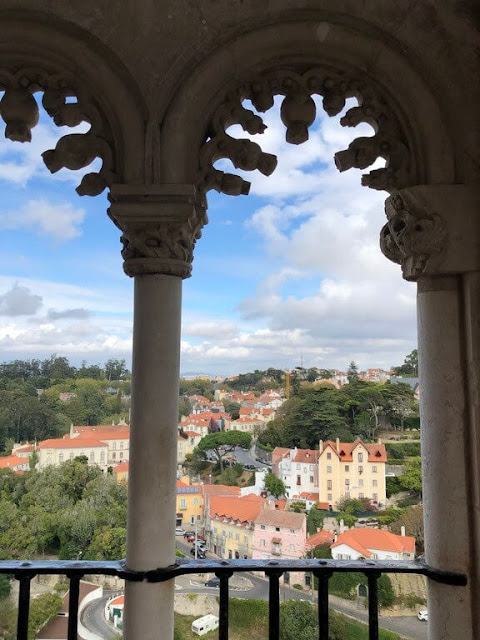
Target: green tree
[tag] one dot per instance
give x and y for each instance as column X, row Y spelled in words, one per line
column 223, row 443
column 184, row 407
column 412, row 478
column 43, row 608
column 115, row 369
column 409, row 366
column 412, row 520
column 352, row 373
column 274, row 485
column 315, row 520
column 297, row 620
column 232, row 408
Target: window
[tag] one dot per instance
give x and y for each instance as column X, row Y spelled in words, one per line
column 292, row 547
column 195, row 501
column 375, row 497
column 329, row 456
column 360, row 469
column 60, row 457
column 114, row 446
column 360, row 457
column 120, row 455
column 299, row 480
column 374, row 483
column 292, row 530
column 360, row 483
column 92, row 456
column 329, row 469
column 298, row 467
column 245, row 539
column 347, row 468
column 374, row 469
column 360, row 495
column 347, row 482
column 305, row 470
column 262, row 526
column 183, row 504
column 237, row 536
column 102, row 456
column 329, row 496
column 311, row 467
column 199, row 517
column 71, row 455
column 114, row 455
column 192, row 519
column 262, row 543
column 277, row 528
column 311, row 479
column 121, row 445
column 329, row 485
column 229, row 535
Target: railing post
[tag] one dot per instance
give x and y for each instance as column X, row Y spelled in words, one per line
column 274, row 604
column 373, row 632
column 323, row 622
column 73, row 598
column 23, row 605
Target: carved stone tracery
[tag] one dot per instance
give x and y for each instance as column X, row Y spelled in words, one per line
column 298, row 113
column 68, row 105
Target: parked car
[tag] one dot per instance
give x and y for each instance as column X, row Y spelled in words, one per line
column 189, row 533
column 423, row 615
column 249, row 467
column 191, row 537
column 200, row 553
column 213, row 582
column 179, row 531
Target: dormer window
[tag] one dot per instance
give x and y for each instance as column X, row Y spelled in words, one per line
column 360, row 457
column 329, row 456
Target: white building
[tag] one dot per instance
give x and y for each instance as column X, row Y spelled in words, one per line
column 298, row 468
column 375, row 544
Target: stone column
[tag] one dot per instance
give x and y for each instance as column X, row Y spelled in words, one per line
column 434, row 234
column 160, row 226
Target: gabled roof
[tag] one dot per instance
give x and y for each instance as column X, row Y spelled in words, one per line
column 219, row 490
column 306, row 456
column 321, row 537
column 365, row 539
column 10, row 462
column 121, row 468
column 376, row 451
column 307, row 495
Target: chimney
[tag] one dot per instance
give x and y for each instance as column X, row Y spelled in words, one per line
column 318, row 529
column 379, row 440
column 321, row 446
column 342, row 526
column 338, row 445
column 402, row 530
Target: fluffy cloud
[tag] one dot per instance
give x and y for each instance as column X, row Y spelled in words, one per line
column 81, row 314
column 19, row 301
column 60, row 221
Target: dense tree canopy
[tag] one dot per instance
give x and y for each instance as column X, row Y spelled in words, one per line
column 223, row 443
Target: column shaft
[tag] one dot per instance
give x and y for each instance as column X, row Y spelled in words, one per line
column 446, row 440
column 153, row 453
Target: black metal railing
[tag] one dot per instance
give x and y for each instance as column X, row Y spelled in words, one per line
column 273, row 569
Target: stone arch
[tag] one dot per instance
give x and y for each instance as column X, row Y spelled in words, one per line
column 38, row 53
column 358, row 53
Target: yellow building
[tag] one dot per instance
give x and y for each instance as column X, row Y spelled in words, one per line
column 351, row 470
column 229, row 527
column 189, row 504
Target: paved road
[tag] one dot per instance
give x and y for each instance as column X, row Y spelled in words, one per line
column 408, row 626
column 93, row 620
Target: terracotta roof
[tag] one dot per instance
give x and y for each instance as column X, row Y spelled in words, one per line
column 192, row 434
column 376, row 452
column 364, row 538
column 323, row 506
column 243, row 509
column 307, row 495
column 71, row 443
column 280, row 505
column 121, row 468
column 182, row 487
column 10, row 462
column 275, row 518
column 106, row 432
column 25, row 448
column 117, row 601
column 308, row 456
column 321, row 537
column 219, row 490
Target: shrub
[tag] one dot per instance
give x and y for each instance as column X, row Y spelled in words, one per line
column 298, row 586
column 386, row 596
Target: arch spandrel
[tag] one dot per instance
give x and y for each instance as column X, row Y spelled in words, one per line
column 302, row 46
column 62, row 61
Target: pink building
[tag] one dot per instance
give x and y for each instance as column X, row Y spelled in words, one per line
column 279, row 534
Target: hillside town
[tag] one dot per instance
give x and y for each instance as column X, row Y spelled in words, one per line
column 243, row 494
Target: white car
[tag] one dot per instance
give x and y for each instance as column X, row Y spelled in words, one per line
column 422, row 615
column 179, row 531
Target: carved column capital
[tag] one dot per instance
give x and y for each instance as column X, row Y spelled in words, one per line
column 160, row 225
column 433, row 230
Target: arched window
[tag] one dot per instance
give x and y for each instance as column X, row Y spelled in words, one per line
column 92, row 456
column 60, row 458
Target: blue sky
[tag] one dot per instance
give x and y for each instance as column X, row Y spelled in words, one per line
column 292, row 272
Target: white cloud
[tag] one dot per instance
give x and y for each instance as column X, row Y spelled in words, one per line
column 19, row 301
column 61, row 221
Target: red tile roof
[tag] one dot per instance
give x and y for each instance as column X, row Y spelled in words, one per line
column 10, row 462
column 307, row 495
column 121, row 468
column 364, row 538
column 219, row 490
column 244, row 509
column 71, row 443
column 376, row 452
column 321, row 537
column 287, row 519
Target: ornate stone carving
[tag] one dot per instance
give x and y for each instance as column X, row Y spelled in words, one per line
column 159, row 230
column 411, row 236
column 67, row 105
column 298, row 114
